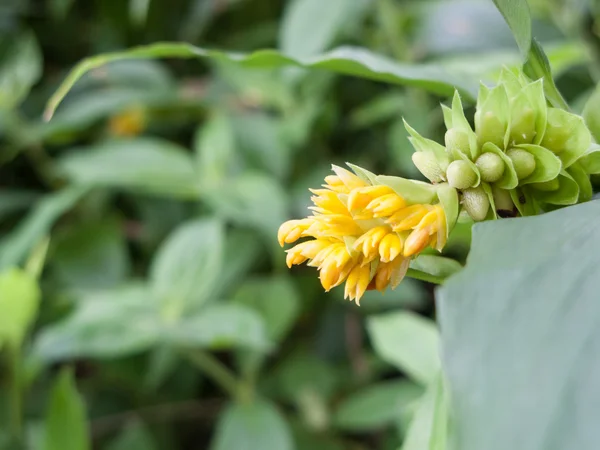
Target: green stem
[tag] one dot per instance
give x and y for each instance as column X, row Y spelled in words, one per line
column 217, row 371
column 16, row 393
column 418, row 275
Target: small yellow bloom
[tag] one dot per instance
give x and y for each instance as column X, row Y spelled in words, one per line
column 130, row 122
column 362, row 234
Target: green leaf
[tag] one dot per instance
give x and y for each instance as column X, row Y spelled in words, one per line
column 506, row 320
column 215, row 149
column 537, row 66
column 20, row 69
column 346, row 60
column 516, row 14
column 14, row 200
column 547, row 164
column 428, row 429
column 252, row 426
column 66, row 426
column 105, row 325
column 144, row 164
column 220, row 326
column 411, row 190
column 135, row 436
column 15, row 247
column 376, row 406
column 186, row 268
column 300, row 35
column 275, row 299
column 567, row 193
column 91, row 255
column 407, row 341
column 438, row 267
column 19, row 303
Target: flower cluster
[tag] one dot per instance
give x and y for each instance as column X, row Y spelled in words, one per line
column 520, row 159
column 364, row 229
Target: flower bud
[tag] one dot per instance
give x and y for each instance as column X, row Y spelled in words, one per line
column 428, row 165
column 457, row 140
column 491, row 167
column 547, row 186
column 460, row 175
column 523, row 161
column 489, row 128
column 502, row 199
column 559, row 129
column 522, row 125
column 476, row 203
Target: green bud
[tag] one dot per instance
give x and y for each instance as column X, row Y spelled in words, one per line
column 502, row 199
column 559, row 129
column 475, row 201
column 460, row 175
column 428, row 165
column 457, row 140
column 491, row 167
column 523, row 161
column 489, row 128
column 547, row 186
column 522, row 125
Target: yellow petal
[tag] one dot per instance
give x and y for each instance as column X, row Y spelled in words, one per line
column 390, row 247
column 416, row 242
column 292, row 230
column 407, row 218
column 386, row 205
column 350, row 180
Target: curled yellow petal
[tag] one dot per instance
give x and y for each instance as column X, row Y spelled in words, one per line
column 292, row 230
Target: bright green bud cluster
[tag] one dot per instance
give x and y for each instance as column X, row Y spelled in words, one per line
column 519, row 147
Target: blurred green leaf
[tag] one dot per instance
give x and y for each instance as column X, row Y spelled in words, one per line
column 516, row 14
column 538, row 66
column 13, row 200
column 15, row 246
column 376, row 406
column 428, row 429
column 66, row 423
column 252, row 426
column 19, row 302
column 92, row 255
column 144, row 164
column 220, row 327
column 20, row 69
column 507, row 320
column 435, row 266
column 215, row 148
column 107, row 325
column 301, row 35
column 359, row 62
column 408, row 341
column 301, row 372
column 591, row 114
column 275, row 299
column 60, row 8
column 135, row 436
column 186, row 268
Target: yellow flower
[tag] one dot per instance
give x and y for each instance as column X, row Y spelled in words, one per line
column 362, row 233
column 130, row 122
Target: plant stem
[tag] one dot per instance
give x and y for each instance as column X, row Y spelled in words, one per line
column 16, row 395
column 216, row 370
column 418, row 275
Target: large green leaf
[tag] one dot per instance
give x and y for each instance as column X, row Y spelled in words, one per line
column 66, row 425
column 520, row 328
column 186, row 268
column 19, row 302
column 346, row 60
column 20, row 68
column 301, row 35
column 252, row 426
column 15, row 247
column 407, row 341
column 144, row 164
column 516, row 14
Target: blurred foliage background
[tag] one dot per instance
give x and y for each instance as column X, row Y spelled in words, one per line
column 165, row 297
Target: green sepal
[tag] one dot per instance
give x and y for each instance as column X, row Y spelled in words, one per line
column 363, row 174
column 447, row 113
column 567, row 135
column 422, row 144
column 373, row 268
column 460, row 122
column 566, row 194
column 510, row 81
column 496, row 102
column 412, row 191
column 524, row 201
column 448, row 197
column 492, row 215
column 509, row 178
column 547, row 164
column 349, row 242
column 535, row 93
column 523, row 118
column 458, row 155
column 590, row 161
column 583, row 180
